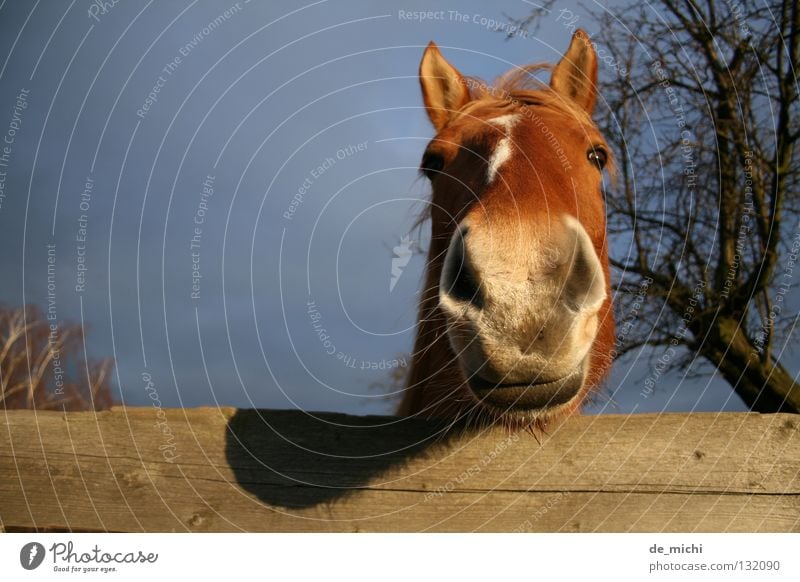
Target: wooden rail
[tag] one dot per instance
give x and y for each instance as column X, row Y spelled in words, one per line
column 223, row 469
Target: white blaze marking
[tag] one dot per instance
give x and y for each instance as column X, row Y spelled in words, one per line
column 506, row 121
column 503, row 150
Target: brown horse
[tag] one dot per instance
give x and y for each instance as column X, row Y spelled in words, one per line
column 515, row 319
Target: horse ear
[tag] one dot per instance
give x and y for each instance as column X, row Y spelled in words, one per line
column 443, row 88
column 575, row 75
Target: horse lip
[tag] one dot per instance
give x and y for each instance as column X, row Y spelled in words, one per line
column 528, row 396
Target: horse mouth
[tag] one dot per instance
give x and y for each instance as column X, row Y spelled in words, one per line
column 528, row 396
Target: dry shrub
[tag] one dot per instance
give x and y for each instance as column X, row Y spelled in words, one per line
column 45, row 369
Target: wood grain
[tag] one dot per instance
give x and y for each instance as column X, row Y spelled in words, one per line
column 223, row 469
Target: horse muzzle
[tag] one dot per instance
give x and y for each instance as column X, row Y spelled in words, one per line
column 522, row 312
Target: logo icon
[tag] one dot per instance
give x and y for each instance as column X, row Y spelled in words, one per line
column 31, row 555
column 402, row 256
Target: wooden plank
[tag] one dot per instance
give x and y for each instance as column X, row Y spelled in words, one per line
column 138, row 469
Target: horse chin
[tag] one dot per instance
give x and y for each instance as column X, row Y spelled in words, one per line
column 530, row 405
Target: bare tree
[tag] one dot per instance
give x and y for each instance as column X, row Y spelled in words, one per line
column 40, row 366
column 701, row 108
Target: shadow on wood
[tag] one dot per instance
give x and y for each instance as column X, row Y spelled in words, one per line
column 222, row 469
column 298, row 465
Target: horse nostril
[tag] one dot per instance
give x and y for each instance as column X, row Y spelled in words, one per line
column 458, row 278
column 584, row 288
column 465, row 287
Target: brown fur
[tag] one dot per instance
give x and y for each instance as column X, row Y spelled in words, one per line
column 523, row 196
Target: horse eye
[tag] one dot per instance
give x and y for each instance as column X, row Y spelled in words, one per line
column 598, row 156
column 432, row 164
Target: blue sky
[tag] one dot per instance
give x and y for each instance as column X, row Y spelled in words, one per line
column 152, row 103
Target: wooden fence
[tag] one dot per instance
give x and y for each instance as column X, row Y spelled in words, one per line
column 223, row 469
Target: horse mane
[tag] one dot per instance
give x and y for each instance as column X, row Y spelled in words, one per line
column 521, row 86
